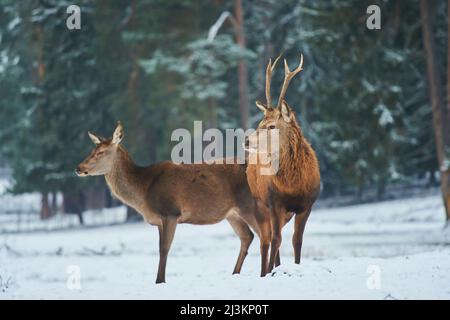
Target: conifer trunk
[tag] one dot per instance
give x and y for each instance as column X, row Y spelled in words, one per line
column 440, row 118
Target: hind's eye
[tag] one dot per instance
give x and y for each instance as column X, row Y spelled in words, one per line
column 271, row 127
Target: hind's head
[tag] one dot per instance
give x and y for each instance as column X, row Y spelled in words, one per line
column 101, row 158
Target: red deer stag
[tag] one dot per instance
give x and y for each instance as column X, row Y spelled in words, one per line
column 296, row 184
column 166, row 194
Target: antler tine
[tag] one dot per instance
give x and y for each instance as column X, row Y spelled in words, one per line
column 269, row 70
column 288, row 75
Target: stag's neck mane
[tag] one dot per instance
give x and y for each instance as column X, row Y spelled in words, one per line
column 126, row 180
column 297, row 162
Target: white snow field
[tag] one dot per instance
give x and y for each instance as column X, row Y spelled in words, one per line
column 388, row 250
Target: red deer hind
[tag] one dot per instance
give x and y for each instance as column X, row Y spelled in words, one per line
column 166, row 194
column 295, row 186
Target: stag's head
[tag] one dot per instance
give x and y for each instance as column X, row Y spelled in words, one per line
column 282, row 117
column 101, row 158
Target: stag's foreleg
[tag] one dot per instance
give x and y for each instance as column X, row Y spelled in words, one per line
column 166, row 234
column 265, row 234
column 244, row 233
column 297, row 239
column 264, row 247
column 276, row 217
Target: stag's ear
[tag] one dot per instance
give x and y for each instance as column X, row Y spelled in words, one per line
column 286, row 111
column 261, row 106
column 118, row 134
column 95, row 139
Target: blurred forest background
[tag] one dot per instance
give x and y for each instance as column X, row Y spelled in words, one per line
column 365, row 99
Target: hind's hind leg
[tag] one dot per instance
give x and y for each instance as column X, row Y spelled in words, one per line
column 245, row 234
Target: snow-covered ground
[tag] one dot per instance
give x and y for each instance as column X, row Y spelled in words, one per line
column 388, row 250
column 24, row 203
column 20, row 213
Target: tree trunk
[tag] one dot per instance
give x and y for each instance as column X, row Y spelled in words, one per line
column 440, row 122
column 447, row 171
column 38, row 78
column 448, row 61
column 432, row 179
column 212, row 114
column 242, row 66
column 74, row 203
column 94, row 197
column 133, row 215
column 45, row 208
column 38, row 73
column 359, row 192
column 54, row 203
column 80, row 218
column 381, row 190
column 110, row 202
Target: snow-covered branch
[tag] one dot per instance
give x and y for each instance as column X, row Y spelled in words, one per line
column 217, row 25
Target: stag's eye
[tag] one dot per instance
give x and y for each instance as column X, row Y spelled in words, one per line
column 271, row 127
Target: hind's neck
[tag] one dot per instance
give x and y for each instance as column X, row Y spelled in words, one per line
column 125, row 180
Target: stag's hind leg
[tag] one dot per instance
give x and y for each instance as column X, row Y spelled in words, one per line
column 279, row 217
column 284, row 222
column 277, row 259
column 297, row 239
column 244, row 233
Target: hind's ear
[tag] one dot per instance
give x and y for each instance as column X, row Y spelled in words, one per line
column 286, row 111
column 95, row 138
column 118, row 134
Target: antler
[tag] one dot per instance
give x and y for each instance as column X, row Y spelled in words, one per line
column 269, row 69
column 288, row 75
